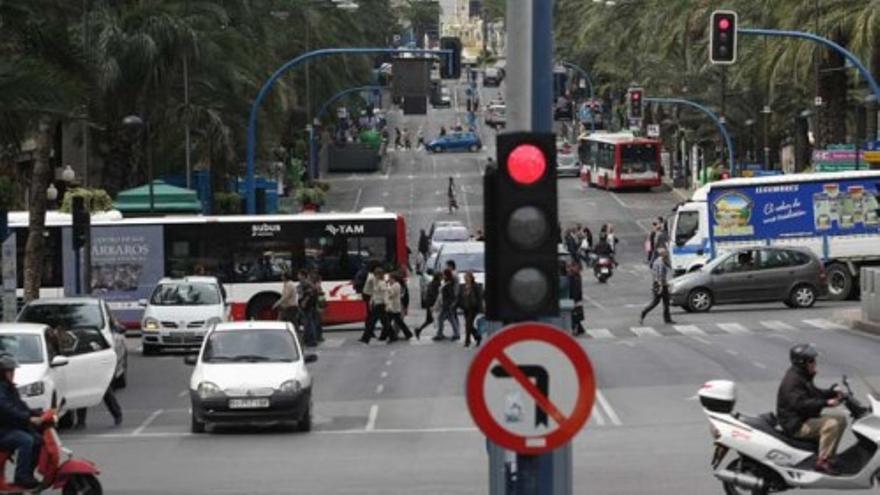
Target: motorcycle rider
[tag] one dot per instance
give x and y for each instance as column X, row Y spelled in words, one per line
column 18, row 426
column 604, row 249
column 799, row 405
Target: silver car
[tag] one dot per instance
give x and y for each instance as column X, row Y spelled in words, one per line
column 794, row 276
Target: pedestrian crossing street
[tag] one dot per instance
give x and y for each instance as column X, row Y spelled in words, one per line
column 647, row 332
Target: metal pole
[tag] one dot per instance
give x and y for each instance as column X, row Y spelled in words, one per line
column 580, row 70
column 149, row 150
column 77, row 278
column 85, row 122
column 186, row 130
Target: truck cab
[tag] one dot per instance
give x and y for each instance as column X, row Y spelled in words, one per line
column 689, row 241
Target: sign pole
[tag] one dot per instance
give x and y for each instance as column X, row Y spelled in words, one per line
column 9, row 269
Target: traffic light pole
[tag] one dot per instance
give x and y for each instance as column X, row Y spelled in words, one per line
column 586, row 76
column 722, row 129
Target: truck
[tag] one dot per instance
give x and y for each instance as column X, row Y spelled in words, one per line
column 835, row 215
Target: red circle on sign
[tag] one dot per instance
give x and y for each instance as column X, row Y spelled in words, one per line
column 493, row 349
column 526, row 164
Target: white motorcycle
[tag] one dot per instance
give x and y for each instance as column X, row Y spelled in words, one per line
column 768, row 461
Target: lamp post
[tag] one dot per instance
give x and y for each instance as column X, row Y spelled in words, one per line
column 135, row 121
column 51, row 195
column 750, row 123
column 766, row 111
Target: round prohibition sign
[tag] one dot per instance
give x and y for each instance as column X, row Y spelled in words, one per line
column 496, row 351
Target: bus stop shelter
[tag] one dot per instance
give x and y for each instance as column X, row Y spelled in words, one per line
column 167, row 199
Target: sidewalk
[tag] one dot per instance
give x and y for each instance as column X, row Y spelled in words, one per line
column 853, row 319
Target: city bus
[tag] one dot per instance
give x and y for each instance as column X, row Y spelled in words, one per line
column 620, row 160
column 246, row 253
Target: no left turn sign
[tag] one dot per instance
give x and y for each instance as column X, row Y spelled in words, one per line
column 531, row 388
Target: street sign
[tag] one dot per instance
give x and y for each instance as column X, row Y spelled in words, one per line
column 531, row 388
column 653, row 130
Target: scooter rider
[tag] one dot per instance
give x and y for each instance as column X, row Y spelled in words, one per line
column 799, row 405
column 17, row 426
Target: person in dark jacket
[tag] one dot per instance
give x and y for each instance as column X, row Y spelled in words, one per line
column 576, row 293
column 432, row 292
column 470, row 299
column 799, row 405
column 17, row 426
column 446, row 306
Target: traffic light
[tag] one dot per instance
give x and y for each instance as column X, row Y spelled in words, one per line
column 634, row 95
column 722, row 42
column 450, row 65
column 521, row 222
column 81, row 222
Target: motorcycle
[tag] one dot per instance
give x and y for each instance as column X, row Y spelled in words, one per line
column 603, row 268
column 767, row 460
column 57, row 466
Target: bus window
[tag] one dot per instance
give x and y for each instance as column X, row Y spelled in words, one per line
column 262, row 261
column 339, row 258
column 686, row 225
column 638, row 158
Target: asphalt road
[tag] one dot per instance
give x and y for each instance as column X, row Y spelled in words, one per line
column 393, row 420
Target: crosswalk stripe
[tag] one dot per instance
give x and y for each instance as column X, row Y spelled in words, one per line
column 600, row 333
column 733, row 328
column 824, row 324
column 689, row 330
column 332, row 343
column 777, row 325
column 645, row 331
column 597, row 415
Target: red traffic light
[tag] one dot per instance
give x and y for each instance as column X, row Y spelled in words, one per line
column 724, row 23
column 526, row 164
column 636, row 95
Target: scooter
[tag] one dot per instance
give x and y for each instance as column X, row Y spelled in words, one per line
column 767, row 460
column 603, row 268
column 57, row 466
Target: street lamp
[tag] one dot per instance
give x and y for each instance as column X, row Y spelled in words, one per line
column 135, row 121
column 51, row 194
column 766, row 111
column 750, row 123
column 68, row 175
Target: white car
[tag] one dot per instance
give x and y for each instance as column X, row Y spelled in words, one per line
column 467, row 256
column 75, row 372
column 567, row 162
column 181, row 311
column 449, row 234
column 496, row 115
column 251, row 372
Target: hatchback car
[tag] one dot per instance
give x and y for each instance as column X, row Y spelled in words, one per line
column 80, row 313
column 795, row 277
column 251, row 372
column 181, row 311
column 567, row 163
column 458, row 141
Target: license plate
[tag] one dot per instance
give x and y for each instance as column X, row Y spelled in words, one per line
column 248, row 403
column 604, row 271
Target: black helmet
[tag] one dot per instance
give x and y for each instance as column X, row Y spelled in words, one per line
column 8, row 362
column 801, row 354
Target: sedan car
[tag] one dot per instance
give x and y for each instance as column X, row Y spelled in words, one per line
column 181, row 311
column 458, row 141
column 447, row 234
column 795, row 277
column 251, row 372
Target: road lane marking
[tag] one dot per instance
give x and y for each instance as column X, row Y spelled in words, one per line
column 777, row 325
column 392, row 353
column 357, row 199
column 731, row 352
column 619, row 201
column 824, row 324
column 380, row 388
column 388, row 363
column 183, row 393
column 597, row 415
column 595, row 303
column 759, row 365
column 600, row 333
column 734, row 328
column 606, row 406
column 152, row 417
column 645, row 331
column 384, row 374
column 688, row 330
column 700, row 339
column 371, row 419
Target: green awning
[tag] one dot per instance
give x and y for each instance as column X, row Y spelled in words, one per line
column 166, row 199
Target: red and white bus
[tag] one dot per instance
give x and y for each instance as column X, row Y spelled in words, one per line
column 620, row 160
column 246, row 253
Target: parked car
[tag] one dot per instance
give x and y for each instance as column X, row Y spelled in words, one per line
column 791, row 275
column 181, row 311
column 492, row 77
column 567, row 162
column 443, row 235
column 82, row 313
column 458, row 141
column 496, row 115
column 67, row 369
column 251, row 372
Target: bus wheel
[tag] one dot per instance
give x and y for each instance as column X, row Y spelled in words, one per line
column 260, row 307
column 840, row 282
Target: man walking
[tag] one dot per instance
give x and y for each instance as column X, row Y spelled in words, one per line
column 377, row 307
column 660, row 288
column 576, row 293
column 288, row 304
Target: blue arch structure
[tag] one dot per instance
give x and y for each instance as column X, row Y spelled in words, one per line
column 251, row 199
column 583, row 73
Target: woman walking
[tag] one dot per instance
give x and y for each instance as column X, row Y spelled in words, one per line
column 447, row 307
column 471, row 302
column 394, row 306
column 432, row 292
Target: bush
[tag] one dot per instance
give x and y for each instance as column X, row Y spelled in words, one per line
column 227, row 203
column 310, row 195
column 96, row 200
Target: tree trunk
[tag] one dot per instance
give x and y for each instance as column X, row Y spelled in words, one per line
column 34, row 252
column 802, row 151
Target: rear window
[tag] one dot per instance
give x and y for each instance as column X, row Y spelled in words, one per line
column 458, row 234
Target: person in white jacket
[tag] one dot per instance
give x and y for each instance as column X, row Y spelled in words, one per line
column 394, row 307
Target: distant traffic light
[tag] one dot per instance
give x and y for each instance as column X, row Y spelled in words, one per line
column 635, row 97
column 450, row 65
column 81, row 222
column 522, row 221
column 722, row 41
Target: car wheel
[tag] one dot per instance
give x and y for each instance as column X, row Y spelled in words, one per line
column 803, row 296
column 195, row 425
column 82, row 484
column 305, row 422
column 474, row 148
column 700, row 300
column 840, row 282
column 150, row 350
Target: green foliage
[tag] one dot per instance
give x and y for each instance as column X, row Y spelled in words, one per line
column 310, row 196
column 295, row 172
column 7, row 193
column 227, row 203
column 96, row 200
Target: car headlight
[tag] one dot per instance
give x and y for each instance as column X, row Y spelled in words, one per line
column 32, row 389
column 209, row 390
column 150, row 325
column 290, row 387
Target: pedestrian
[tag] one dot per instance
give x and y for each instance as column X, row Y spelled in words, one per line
column 110, row 403
column 367, row 291
column 424, row 243
column 442, row 131
column 407, row 144
column 446, row 306
column 570, row 240
column 288, row 304
column 471, row 303
column 398, row 138
column 662, row 238
column 450, row 193
column 308, row 306
column 432, row 292
column 610, row 236
column 420, row 139
column 394, row 306
column 320, row 304
column 586, row 246
column 660, row 287
column 576, row 293
column 377, row 308
column 480, row 236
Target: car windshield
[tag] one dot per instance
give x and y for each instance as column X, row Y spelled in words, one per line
column 185, row 294
column 27, row 349
column 474, row 262
column 638, row 158
column 66, row 315
column 250, row 346
column 456, row 234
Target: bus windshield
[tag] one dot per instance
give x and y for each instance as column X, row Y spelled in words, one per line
column 638, row 158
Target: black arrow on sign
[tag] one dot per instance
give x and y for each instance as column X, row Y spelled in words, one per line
column 542, row 381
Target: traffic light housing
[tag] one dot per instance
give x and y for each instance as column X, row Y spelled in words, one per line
column 4, row 225
column 522, row 221
column 81, row 222
column 450, row 64
column 722, row 41
column 636, row 99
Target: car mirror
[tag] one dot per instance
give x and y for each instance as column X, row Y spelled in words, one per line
column 191, row 359
column 142, row 303
column 59, row 361
column 311, row 358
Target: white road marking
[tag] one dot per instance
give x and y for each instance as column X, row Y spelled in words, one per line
column 380, row 388
column 619, row 201
column 600, row 333
column 701, row 339
column 645, row 331
column 595, row 303
column 183, row 393
column 759, row 365
column 386, row 194
column 384, row 374
column 152, row 417
column 731, row 352
column 735, row 328
column 639, row 223
column 371, row 419
column 824, row 324
column 777, row 325
column 392, row 353
column 609, row 411
column 688, row 330
column 388, row 363
column 357, row 199
column 597, row 415
column 332, row 343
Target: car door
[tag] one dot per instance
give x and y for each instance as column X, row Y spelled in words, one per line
column 59, row 374
column 113, row 335
column 91, row 367
column 776, row 270
column 733, row 280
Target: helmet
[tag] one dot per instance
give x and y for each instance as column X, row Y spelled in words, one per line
column 8, row 362
column 801, row 354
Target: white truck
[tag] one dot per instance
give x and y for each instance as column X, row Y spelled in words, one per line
column 836, row 215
